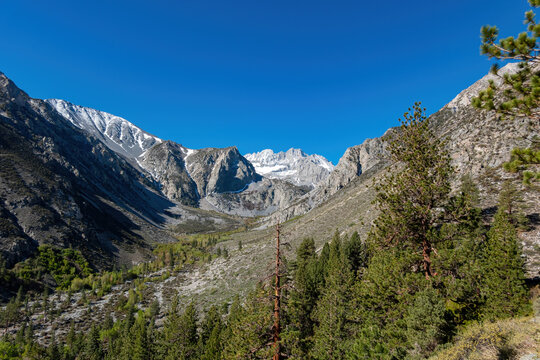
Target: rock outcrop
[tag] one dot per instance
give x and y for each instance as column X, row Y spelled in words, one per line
column 294, row 166
column 165, row 161
column 217, row 170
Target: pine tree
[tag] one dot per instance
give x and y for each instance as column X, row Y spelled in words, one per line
column 307, row 284
column 92, row 346
column 179, row 335
column 504, row 286
column 411, row 196
column 519, row 94
column 356, row 253
column 249, row 327
column 413, row 200
column 426, row 321
column 188, row 331
column 169, row 334
column 379, row 304
column 210, row 341
column 331, row 313
column 460, row 253
column 53, row 351
column 141, row 341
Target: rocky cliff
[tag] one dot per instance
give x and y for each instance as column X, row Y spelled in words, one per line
column 59, row 185
column 294, row 166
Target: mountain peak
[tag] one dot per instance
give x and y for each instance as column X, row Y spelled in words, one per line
column 117, row 133
column 294, row 166
column 296, row 152
column 10, row 92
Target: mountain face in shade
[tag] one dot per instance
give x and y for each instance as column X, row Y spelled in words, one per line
column 294, row 166
column 59, row 185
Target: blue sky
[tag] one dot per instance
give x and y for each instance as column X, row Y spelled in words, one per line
column 316, row 75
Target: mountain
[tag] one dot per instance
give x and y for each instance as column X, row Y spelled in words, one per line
column 478, row 144
column 212, row 178
column 117, row 133
column 60, row 185
column 75, row 177
column 293, row 166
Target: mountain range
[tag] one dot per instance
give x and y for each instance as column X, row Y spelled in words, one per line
column 72, row 176
column 70, row 172
column 75, row 177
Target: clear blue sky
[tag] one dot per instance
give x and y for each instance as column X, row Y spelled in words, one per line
column 316, row 75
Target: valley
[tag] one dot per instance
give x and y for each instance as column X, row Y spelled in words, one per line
column 104, row 224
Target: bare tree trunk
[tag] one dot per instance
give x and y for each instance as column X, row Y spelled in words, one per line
column 426, row 252
column 277, row 349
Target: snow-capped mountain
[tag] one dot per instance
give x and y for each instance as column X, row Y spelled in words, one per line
column 212, row 178
column 294, row 166
column 117, row 133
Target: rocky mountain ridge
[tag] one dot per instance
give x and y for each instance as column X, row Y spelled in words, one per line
column 294, row 166
column 476, row 141
column 60, row 186
column 117, row 133
column 184, row 175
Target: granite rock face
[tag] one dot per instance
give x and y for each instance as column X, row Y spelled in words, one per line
column 165, row 161
column 217, row 170
column 260, row 198
column 117, row 133
column 294, row 166
column 478, row 144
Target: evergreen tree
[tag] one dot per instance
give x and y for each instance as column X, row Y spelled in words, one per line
column 249, row 327
column 522, row 90
column 142, row 349
column 307, row 285
column 519, row 94
column 426, row 321
column 504, row 286
column 356, row 253
column 92, row 346
column 411, row 196
column 331, row 313
column 179, row 335
column 188, row 331
column 460, row 253
column 169, row 333
column 53, row 351
column 210, row 337
column 379, row 304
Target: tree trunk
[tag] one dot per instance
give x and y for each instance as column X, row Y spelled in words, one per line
column 277, row 349
column 426, row 251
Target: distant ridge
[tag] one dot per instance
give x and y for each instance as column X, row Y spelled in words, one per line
column 294, row 166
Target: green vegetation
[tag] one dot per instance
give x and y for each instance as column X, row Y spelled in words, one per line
column 503, row 339
column 429, row 272
column 63, row 264
column 519, row 92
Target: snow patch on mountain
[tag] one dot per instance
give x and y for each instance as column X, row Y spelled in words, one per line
column 117, row 133
column 294, row 166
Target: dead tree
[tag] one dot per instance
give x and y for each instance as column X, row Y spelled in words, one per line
column 277, row 301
